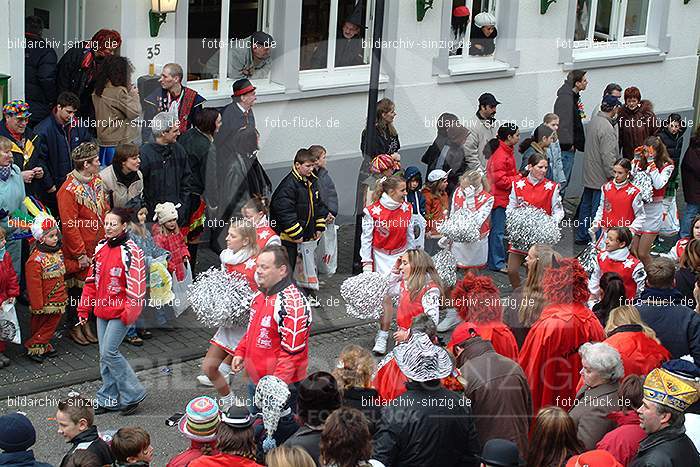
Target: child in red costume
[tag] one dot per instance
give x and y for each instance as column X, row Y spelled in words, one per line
column 549, row 355
column 437, row 203
column 618, row 259
column 9, row 287
column 257, row 210
column 167, row 235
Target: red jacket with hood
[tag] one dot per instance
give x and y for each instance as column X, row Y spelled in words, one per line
column 501, row 172
column 623, row 441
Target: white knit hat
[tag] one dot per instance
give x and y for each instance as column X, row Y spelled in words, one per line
column 484, row 19
column 43, row 223
column 166, row 212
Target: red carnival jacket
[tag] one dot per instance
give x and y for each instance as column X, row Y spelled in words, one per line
column 185, row 458
column 623, row 441
column 9, row 286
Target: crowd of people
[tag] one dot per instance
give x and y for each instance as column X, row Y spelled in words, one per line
column 579, row 368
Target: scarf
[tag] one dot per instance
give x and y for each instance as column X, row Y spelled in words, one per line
column 118, row 240
column 234, row 257
column 125, row 179
column 44, row 248
column 5, row 172
column 389, row 203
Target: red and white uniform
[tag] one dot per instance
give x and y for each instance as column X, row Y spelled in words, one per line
column 244, row 265
column 479, row 204
column 622, row 262
column 426, row 301
column 654, row 210
column 265, row 234
column 620, row 205
column 277, row 339
column 385, row 232
column 543, row 194
column 676, row 252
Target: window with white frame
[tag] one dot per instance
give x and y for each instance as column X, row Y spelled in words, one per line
column 334, row 33
column 611, row 22
column 462, row 29
column 216, row 25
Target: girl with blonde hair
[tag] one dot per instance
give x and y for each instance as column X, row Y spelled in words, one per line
column 354, row 372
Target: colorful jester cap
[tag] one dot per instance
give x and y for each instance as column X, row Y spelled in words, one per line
column 271, row 396
column 43, row 224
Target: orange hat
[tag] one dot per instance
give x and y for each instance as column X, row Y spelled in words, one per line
column 596, row 458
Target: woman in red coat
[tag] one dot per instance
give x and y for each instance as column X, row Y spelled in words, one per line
column 549, row 355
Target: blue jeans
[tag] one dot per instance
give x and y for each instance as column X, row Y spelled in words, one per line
column 120, row 386
column 497, row 252
column 586, row 210
column 567, row 162
column 689, row 213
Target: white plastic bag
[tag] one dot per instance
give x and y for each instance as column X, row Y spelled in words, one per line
column 9, row 326
column 416, row 238
column 305, row 273
column 670, row 224
column 181, row 302
column 327, row 251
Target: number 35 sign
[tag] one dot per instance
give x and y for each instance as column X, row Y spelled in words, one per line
column 153, row 51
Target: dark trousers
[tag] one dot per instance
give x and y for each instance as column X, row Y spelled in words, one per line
column 291, row 252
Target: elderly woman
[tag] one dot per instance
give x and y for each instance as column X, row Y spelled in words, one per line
column 483, row 34
column 123, row 181
column 602, row 371
column 354, row 375
column 11, row 198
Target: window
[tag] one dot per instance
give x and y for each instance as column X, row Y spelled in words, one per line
column 463, row 29
column 610, row 22
column 213, row 25
column 333, row 34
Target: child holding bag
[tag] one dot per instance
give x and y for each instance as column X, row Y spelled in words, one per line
column 9, row 287
column 167, row 235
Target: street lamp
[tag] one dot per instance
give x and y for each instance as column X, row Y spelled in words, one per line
column 157, row 15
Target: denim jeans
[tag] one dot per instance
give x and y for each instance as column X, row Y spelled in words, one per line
column 689, row 213
column 567, row 162
column 497, row 252
column 120, row 386
column 590, row 199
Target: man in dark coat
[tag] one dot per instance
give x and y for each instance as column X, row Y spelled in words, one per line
column 690, row 175
column 569, row 108
column 236, row 115
column 39, row 71
column 166, row 168
column 428, row 424
column 672, row 137
column 661, row 308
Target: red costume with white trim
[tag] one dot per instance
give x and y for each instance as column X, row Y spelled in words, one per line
column 620, row 205
column 654, row 211
column 385, row 227
column 266, row 235
column 676, row 253
column 626, row 265
column 479, row 204
column 427, row 301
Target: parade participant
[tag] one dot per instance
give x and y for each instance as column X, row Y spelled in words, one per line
column 132, row 446
column 82, row 204
column 114, row 290
column 653, row 159
column 386, row 227
column 281, row 307
column 676, row 253
column 9, row 287
column 199, row 424
column 238, row 258
column 620, row 205
column 549, row 356
column 501, row 172
column 414, row 195
column 12, row 196
column 354, row 372
column 256, row 210
column 437, row 205
column 617, row 258
column 235, row 441
column 76, row 423
column 46, row 288
column 168, row 236
column 537, row 191
column 478, row 302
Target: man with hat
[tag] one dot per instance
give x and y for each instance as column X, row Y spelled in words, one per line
column 667, row 394
column 500, row 453
column 234, row 441
column 483, row 128
column 17, row 435
column 250, row 57
column 348, row 45
column 428, row 424
column 26, row 146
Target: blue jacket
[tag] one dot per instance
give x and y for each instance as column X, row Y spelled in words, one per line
column 57, row 143
column 20, row 459
column 676, row 325
column 416, row 197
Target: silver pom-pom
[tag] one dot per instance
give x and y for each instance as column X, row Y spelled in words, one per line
column 642, row 180
column 446, row 265
column 220, row 299
column 528, row 225
column 588, row 258
column 364, row 294
column 462, row 226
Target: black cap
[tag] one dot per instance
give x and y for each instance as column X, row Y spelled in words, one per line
column 357, row 16
column 500, row 453
column 238, row 417
column 487, row 99
column 261, row 38
column 242, row 86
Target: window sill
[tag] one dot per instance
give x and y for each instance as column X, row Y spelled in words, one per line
column 476, row 68
column 317, row 80
column 606, row 57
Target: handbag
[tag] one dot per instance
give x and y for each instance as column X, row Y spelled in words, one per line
column 181, row 301
column 327, row 251
column 305, row 274
column 9, row 326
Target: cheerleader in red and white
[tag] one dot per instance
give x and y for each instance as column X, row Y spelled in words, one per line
column 620, row 205
column 676, row 252
column 385, row 227
column 618, row 259
column 653, row 159
column 238, row 258
column 256, row 210
column 532, row 190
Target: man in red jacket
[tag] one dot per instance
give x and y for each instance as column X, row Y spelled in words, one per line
column 276, row 342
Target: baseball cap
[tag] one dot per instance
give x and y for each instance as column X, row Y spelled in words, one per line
column 487, row 99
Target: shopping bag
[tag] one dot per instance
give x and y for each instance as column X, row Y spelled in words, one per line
column 416, row 238
column 9, row 326
column 160, row 283
column 670, row 225
column 327, row 251
column 181, row 301
column 305, row 271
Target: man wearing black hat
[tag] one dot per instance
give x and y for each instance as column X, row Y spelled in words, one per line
column 500, row 453
column 348, row 46
column 250, row 57
column 17, row 435
column 483, row 128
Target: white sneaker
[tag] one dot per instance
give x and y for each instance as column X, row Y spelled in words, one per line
column 226, row 402
column 451, row 320
column 205, row 381
column 380, row 342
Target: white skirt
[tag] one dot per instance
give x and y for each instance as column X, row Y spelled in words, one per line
column 227, row 338
column 654, row 214
column 471, row 255
column 384, row 263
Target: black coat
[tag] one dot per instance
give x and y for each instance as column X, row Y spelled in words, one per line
column 366, row 400
column 690, row 172
column 421, row 429
column 232, row 120
column 77, row 78
column 33, row 146
column 676, row 325
column 57, row 143
column 477, row 37
column 286, row 427
column 673, row 143
column 329, row 195
column 308, row 439
column 166, row 177
column 570, row 124
column 90, row 441
column 669, row 447
column 199, row 149
column 296, row 210
column 39, row 77
column 20, row 459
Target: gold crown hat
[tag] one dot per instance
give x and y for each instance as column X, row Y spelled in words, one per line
column 670, row 389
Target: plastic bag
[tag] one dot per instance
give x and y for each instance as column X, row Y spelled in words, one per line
column 9, row 326
column 160, row 283
column 416, row 239
column 670, row 224
column 327, row 251
column 305, row 273
column 181, row 301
